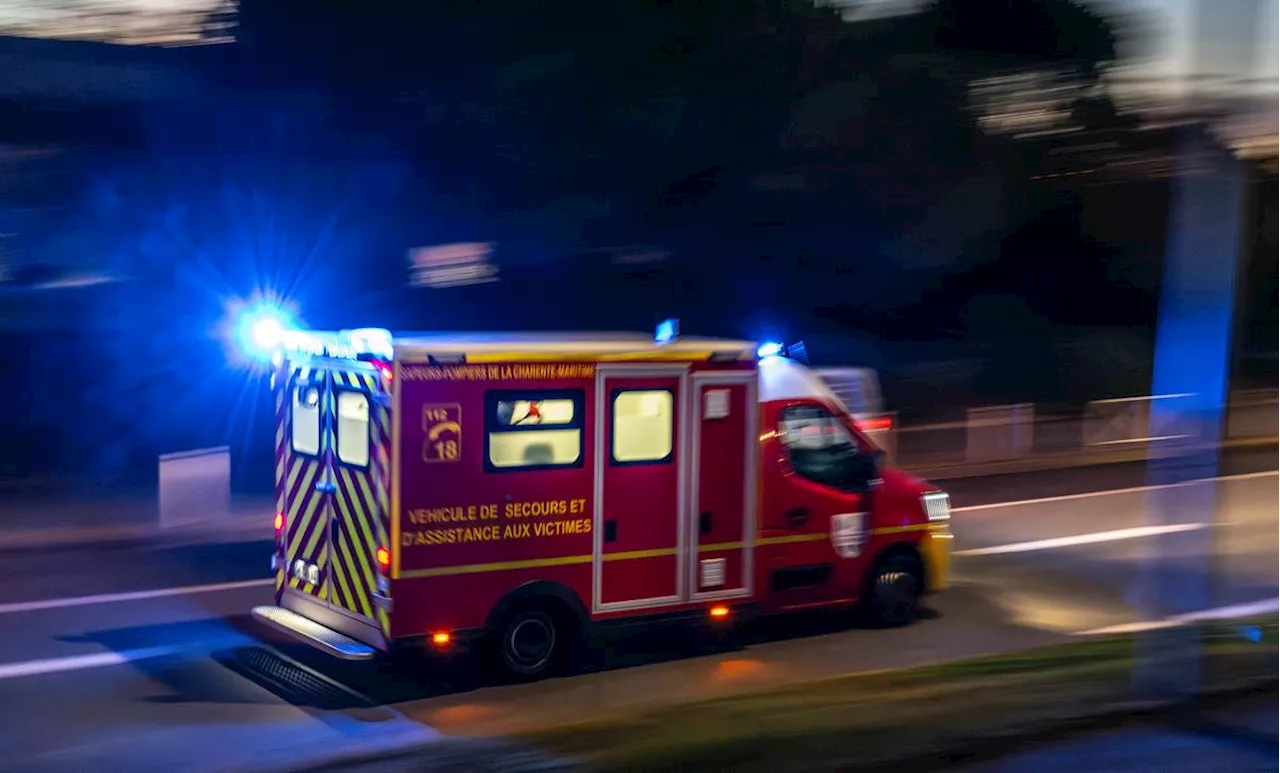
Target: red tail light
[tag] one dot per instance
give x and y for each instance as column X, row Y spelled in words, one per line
column 384, row 557
column 875, row 425
column 279, row 523
column 385, row 371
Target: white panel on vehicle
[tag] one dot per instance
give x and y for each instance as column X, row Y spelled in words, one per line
column 716, row 404
column 849, row 534
column 712, row 571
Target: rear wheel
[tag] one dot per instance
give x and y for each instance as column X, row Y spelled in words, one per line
column 895, row 590
column 530, row 641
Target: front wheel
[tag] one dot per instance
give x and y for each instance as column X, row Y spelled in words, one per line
column 529, row 642
column 895, row 591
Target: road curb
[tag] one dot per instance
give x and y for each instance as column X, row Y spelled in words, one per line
column 452, row 755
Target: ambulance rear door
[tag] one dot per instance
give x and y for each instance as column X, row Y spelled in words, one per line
column 335, row 458
column 358, row 491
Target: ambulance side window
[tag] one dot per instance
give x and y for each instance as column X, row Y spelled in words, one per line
column 643, row 422
column 352, row 430
column 533, row 429
column 306, row 419
column 818, row 445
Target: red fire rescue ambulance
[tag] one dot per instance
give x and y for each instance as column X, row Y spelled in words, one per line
column 521, row 490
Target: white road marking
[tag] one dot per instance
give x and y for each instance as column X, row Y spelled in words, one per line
column 142, row 595
column 81, row 662
column 1137, row 532
column 1112, row 492
column 1250, row 609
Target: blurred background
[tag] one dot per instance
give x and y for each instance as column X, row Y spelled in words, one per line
column 971, row 197
column 1007, row 231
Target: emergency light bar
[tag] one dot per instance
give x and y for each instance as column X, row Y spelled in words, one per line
column 343, row 345
column 268, row 332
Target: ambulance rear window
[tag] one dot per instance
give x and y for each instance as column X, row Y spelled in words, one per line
column 305, row 420
column 533, row 429
column 352, row 428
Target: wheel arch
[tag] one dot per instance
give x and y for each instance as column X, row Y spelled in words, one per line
column 908, row 549
column 545, row 592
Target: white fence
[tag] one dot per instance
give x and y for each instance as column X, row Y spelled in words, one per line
column 1157, row 425
column 999, row 432
column 195, row 487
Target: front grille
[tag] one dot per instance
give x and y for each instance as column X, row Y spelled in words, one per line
column 936, row 505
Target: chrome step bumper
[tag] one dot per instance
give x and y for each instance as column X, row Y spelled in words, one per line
column 311, row 632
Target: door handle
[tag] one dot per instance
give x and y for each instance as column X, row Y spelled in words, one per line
column 610, row 531
column 335, row 527
column 704, row 523
column 798, row 516
column 327, row 487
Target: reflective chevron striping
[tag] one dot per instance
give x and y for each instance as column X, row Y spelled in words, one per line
column 356, row 539
column 339, row 531
column 305, row 517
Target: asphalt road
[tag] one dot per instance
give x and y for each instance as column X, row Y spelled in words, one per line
column 182, row 680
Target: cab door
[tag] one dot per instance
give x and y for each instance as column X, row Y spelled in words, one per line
column 815, row 528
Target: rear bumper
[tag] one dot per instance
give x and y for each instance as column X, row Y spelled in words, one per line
column 935, row 550
column 310, row 632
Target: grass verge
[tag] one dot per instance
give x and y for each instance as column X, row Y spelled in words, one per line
column 876, row 718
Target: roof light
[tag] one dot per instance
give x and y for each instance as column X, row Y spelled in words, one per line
column 261, row 329
column 266, row 333
column 667, row 331
column 770, row 349
column 440, row 639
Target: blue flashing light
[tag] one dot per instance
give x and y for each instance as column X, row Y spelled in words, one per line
column 262, row 329
column 267, row 333
column 667, row 331
column 770, row 349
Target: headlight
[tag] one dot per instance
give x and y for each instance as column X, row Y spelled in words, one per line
column 937, row 506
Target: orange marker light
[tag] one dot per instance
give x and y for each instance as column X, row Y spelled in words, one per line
column 719, row 610
column 440, row 639
column 384, row 558
column 279, row 521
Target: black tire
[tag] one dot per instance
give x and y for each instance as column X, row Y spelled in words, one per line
column 530, row 642
column 894, row 595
